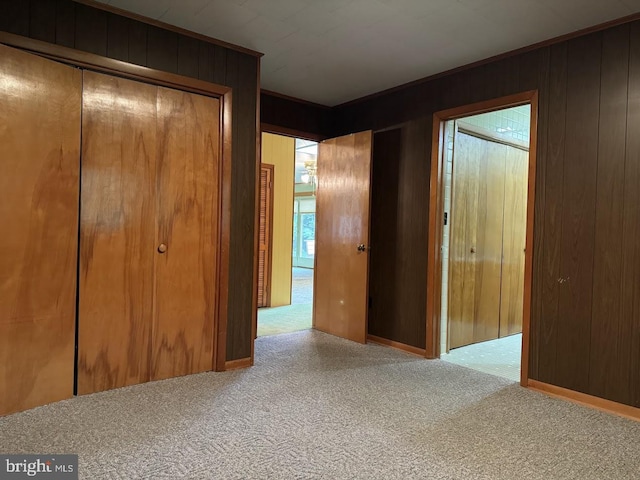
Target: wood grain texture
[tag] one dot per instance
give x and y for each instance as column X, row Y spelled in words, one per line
column 279, row 151
column 150, row 48
column 629, row 334
column 514, row 232
column 187, row 223
column 42, row 20
column 578, row 207
column 91, row 30
column 475, row 260
column 342, row 223
column 548, row 321
column 399, row 158
column 118, row 37
column 40, row 138
column 385, row 248
column 606, row 378
column 117, row 232
column 265, row 235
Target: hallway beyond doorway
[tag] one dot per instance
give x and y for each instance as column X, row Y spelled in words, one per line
column 294, row 317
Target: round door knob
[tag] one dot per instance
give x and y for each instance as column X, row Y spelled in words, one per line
column 473, row 250
column 361, row 247
column 162, row 248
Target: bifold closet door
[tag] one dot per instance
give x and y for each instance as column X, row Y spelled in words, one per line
column 475, row 255
column 187, row 232
column 514, row 240
column 117, row 232
column 39, row 157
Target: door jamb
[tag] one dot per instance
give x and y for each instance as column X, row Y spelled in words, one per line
column 436, row 212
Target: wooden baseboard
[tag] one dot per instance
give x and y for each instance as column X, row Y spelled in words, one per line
column 420, row 352
column 598, row 403
column 237, row 364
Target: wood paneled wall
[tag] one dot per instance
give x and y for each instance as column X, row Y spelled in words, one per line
column 398, row 265
column 279, row 151
column 93, row 30
column 585, row 318
column 296, row 116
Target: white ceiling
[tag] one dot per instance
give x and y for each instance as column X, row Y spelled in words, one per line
column 333, row 51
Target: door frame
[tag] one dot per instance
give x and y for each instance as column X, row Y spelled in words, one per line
column 436, row 214
column 97, row 63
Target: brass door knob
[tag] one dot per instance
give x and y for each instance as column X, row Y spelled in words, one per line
column 162, row 248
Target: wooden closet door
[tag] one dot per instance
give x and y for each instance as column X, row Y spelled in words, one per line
column 475, row 254
column 187, row 233
column 514, row 239
column 117, row 232
column 39, row 156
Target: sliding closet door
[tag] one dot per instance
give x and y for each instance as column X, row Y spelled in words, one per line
column 187, row 216
column 117, row 232
column 39, row 158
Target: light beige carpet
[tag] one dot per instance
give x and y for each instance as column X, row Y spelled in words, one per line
column 318, row 407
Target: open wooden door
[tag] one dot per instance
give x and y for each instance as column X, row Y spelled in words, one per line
column 342, row 236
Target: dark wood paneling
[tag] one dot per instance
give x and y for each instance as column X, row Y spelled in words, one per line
column 118, row 37
column 14, row 17
column 300, row 116
column 578, row 207
column 65, row 23
column 629, row 333
column 550, row 221
column 93, row 30
column 162, row 49
column 399, row 233
column 188, row 56
column 206, row 59
column 538, row 229
column 578, row 340
column 606, row 379
column 383, row 259
column 240, row 70
column 138, row 44
column 42, row 21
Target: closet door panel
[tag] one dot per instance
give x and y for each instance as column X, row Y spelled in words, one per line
column 39, row 156
column 187, row 233
column 514, row 237
column 117, row 232
column 475, row 254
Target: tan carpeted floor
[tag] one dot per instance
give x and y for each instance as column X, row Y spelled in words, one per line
column 318, row 407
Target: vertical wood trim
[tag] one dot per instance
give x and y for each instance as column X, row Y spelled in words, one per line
column 529, row 245
column 220, row 351
column 434, row 263
column 256, row 226
column 436, row 210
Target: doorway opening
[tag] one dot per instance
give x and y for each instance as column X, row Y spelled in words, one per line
column 485, row 176
column 287, row 275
